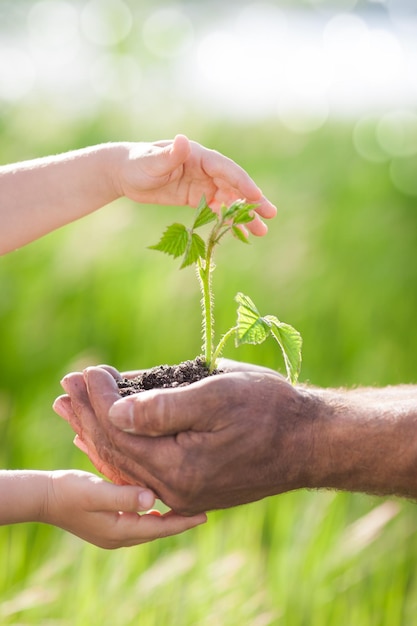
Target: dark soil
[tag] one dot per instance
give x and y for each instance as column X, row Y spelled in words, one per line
column 164, row 376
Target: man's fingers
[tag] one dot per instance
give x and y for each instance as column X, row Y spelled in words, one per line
column 111, row 370
column 161, row 412
column 102, row 390
column 151, row 413
column 134, row 457
column 62, row 406
column 229, row 365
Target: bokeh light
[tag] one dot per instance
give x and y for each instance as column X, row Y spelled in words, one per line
column 168, row 33
column 397, row 133
column 116, row 77
column 403, row 175
column 366, row 141
column 17, row 74
column 300, row 64
column 53, row 28
column 106, row 22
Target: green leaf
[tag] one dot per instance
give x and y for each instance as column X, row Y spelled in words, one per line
column 239, row 234
column 196, row 248
column 174, row 241
column 238, row 212
column 290, row 343
column 251, row 327
column 204, row 215
column 244, row 215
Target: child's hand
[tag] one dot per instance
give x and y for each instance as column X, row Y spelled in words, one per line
column 106, row 515
column 41, row 195
column 180, row 172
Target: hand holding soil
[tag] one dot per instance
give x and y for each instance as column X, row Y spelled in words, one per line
column 244, row 435
column 40, row 195
column 220, row 442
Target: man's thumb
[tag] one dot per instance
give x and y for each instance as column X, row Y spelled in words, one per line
column 153, row 413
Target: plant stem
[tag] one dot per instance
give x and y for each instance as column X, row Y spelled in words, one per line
column 219, row 349
column 205, row 279
column 205, row 269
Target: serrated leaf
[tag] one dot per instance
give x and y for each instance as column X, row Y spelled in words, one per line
column 251, row 327
column 239, row 212
column 229, row 211
column 243, row 216
column 239, row 234
column 196, row 248
column 204, row 215
column 290, row 343
column 174, row 240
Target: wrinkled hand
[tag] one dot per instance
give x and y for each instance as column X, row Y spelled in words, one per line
column 224, row 441
column 181, row 171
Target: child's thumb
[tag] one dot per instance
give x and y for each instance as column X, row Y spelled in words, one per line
column 126, row 498
column 176, row 153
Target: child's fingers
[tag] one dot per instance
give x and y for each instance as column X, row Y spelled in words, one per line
column 126, row 498
column 266, row 209
column 139, row 529
column 171, row 155
column 257, row 227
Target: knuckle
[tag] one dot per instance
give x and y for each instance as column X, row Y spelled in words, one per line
column 150, row 412
column 184, row 487
column 123, row 500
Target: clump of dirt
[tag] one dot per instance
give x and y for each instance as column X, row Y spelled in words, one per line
column 164, row 376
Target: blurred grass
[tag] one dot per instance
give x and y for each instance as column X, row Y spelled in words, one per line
column 338, row 264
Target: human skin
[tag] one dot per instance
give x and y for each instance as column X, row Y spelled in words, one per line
column 245, row 435
column 40, row 195
column 85, row 505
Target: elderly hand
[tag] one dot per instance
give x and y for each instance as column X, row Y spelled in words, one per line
column 226, row 440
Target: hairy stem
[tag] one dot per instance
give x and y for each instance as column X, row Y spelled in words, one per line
column 205, row 269
column 219, row 348
column 204, row 275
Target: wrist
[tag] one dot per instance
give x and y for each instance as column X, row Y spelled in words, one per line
column 23, row 496
column 51, row 507
column 297, row 458
column 115, row 157
column 365, row 442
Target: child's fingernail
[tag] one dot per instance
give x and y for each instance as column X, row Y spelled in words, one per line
column 121, row 414
column 146, row 500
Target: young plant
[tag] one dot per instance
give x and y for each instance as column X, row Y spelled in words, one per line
column 179, row 241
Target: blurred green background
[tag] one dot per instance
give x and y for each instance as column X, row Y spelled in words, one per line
column 338, row 264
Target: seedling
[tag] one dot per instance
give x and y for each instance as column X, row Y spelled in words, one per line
column 251, row 328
